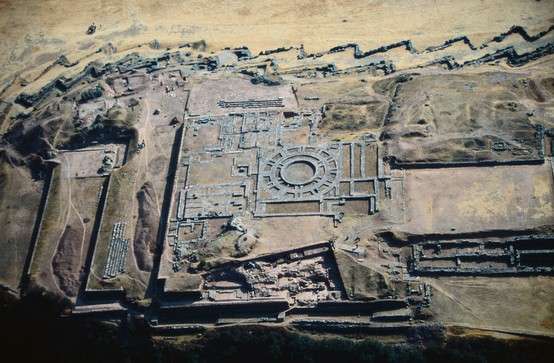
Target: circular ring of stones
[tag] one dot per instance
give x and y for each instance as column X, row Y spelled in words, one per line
column 322, row 163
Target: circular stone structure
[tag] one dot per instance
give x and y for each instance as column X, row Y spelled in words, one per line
column 300, row 172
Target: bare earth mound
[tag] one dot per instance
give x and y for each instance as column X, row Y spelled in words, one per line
column 147, row 227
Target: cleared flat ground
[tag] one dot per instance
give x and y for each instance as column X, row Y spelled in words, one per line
column 519, row 304
column 281, row 233
column 479, row 198
column 204, row 97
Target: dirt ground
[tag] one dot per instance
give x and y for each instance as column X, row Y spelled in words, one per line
column 260, row 25
column 56, row 216
column 37, row 32
column 360, row 281
column 516, row 304
column 205, row 96
column 475, row 199
column 120, row 208
column 434, row 116
column 282, row 233
column 457, row 117
column 19, row 201
column 125, row 203
column 63, row 241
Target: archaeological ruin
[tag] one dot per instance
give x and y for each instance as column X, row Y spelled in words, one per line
column 383, row 190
